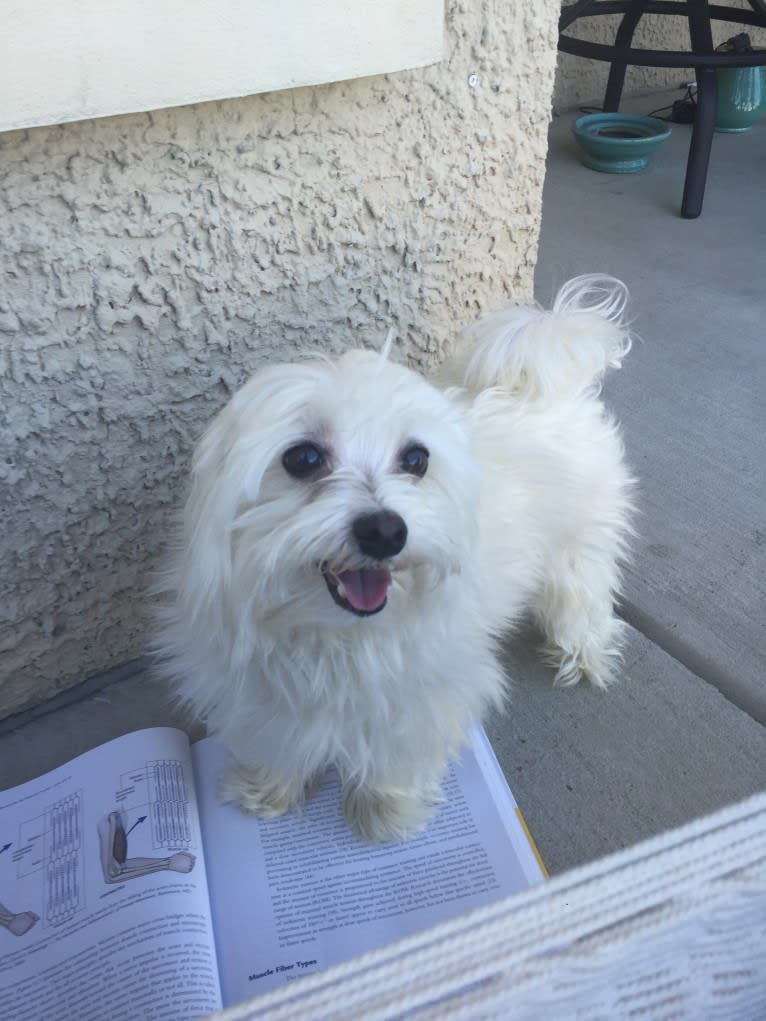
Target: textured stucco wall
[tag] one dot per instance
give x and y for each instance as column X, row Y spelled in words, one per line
column 583, row 82
column 152, row 262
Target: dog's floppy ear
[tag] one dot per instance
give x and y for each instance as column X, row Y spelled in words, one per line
column 228, row 467
column 538, row 355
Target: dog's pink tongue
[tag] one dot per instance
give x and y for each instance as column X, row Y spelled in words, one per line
column 367, row 588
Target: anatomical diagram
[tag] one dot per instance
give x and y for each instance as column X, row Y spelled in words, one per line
column 18, row 923
column 118, row 867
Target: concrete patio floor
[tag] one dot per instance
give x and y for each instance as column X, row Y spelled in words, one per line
column 683, row 732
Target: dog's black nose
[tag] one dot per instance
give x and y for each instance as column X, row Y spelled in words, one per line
column 380, row 535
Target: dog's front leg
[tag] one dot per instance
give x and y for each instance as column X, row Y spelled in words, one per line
column 256, row 791
column 381, row 813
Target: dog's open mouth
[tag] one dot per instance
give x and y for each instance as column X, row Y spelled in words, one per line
column 363, row 591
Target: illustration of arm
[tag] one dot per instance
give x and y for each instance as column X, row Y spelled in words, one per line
column 19, row 923
column 115, row 864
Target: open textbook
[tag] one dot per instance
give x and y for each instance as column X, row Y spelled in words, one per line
column 127, row 890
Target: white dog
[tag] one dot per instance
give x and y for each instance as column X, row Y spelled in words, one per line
column 356, row 539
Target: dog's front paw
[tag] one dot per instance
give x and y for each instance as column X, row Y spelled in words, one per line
column 384, row 815
column 595, row 655
column 257, row 793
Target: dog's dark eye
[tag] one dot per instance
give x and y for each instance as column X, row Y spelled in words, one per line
column 414, row 460
column 302, row 460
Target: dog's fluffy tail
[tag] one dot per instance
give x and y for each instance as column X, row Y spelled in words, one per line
column 538, row 355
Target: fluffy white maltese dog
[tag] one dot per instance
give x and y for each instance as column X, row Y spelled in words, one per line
column 357, row 538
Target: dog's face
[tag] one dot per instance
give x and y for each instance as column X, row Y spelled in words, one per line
column 332, row 493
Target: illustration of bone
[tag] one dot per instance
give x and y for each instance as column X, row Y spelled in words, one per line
column 19, row 923
column 115, row 864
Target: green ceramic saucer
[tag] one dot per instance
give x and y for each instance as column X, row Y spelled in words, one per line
column 618, row 143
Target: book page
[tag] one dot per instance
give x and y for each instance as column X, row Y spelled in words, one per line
column 296, row 894
column 104, row 909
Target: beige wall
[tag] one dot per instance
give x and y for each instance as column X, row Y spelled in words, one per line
column 583, row 82
column 152, row 261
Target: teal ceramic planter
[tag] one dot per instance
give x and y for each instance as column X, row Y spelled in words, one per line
column 741, row 98
column 618, row 143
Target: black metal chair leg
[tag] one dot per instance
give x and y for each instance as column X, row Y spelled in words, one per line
column 618, row 68
column 701, row 143
column 701, row 36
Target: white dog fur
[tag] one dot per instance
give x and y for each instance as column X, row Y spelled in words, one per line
column 524, row 506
